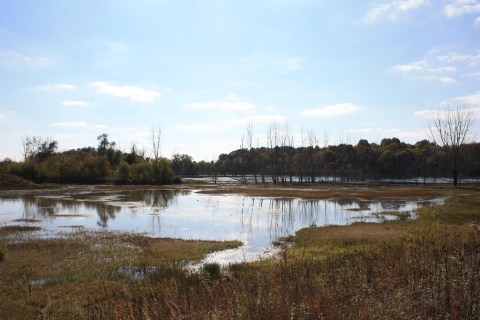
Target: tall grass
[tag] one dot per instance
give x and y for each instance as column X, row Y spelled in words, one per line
column 425, row 269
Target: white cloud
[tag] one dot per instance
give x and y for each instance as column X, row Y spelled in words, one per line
column 422, row 70
column 75, row 103
column 473, row 99
column 2, row 116
column 331, row 111
column 460, row 57
column 393, row 9
column 230, row 104
column 461, row 7
column 59, row 86
column 426, row 113
column 446, row 79
column 79, row 124
column 409, row 67
column 12, row 58
column 472, row 74
column 430, row 114
column 135, row 94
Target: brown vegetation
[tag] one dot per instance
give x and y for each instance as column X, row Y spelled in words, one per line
column 428, row 268
column 326, row 191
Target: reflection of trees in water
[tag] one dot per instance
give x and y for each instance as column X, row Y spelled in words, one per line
column 284, row 216
column 394, row 205
column 154, row 198
column 42, row 207
column 106, row 212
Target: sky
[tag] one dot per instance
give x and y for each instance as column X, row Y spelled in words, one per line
column 201, row 71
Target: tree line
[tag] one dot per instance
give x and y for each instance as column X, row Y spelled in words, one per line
column 280, row 161
column 280, row 164
column 42, row 163
column 391, row 159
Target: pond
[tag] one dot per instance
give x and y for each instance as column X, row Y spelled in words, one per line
column 186, row 214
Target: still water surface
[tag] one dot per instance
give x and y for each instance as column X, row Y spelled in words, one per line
column 185, row 214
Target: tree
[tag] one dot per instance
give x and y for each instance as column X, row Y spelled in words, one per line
column 104, row 144
column 449, row 129
column 38, row 148
column 156, row 141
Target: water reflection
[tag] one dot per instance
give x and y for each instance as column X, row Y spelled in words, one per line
column 185, row 214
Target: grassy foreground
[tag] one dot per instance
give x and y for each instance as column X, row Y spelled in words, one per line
column 424, row 269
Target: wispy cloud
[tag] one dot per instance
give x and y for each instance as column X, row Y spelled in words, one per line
column 409, row 67
column 473, row 99
column 336, row 110
column 393, row 9
column 460, row 57
column 59, row 86
column 2, row 116
column 135, row 94
column 423, row 70
column 12, row 58
column 461, row 7
column 79, row 124
column 430, row 113
column 75, row 103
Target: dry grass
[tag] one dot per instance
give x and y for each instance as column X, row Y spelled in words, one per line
column 62, row 277
column 428, row 268
column 329, row 191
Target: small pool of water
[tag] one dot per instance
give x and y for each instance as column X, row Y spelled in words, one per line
column 256, row 221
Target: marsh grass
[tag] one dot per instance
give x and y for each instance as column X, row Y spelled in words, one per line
column 427, row 268
column 68, row 277
column 18, row 228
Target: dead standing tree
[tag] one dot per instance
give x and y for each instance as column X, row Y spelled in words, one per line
column 449, row 129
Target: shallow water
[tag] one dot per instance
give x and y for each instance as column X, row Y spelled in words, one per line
column 256, row 221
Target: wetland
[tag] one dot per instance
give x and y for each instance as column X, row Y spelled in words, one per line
column 332, row 251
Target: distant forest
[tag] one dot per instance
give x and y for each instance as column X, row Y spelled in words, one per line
column 391, row 159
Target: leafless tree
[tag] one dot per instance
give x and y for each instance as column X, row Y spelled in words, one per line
column 156, row 141
column 449, row 129
column 252, row 153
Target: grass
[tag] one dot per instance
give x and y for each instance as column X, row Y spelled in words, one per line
column 63, row 277
column 326, row 191
column 18, row 228
column 427, row 268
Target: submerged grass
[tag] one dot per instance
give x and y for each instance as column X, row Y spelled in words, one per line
column 427, row 268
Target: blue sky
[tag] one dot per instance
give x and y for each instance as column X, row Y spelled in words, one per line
column 202, row 70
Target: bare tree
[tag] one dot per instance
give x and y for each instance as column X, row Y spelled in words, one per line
column 449, row 129
column 38, row 148
column 252, row 153
column 156, row 141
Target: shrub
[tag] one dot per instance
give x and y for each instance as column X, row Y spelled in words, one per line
column 211, row 269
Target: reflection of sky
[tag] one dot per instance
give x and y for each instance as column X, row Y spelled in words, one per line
column 188, row 215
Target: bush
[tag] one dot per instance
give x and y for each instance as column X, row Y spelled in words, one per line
column 211, row 269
